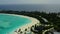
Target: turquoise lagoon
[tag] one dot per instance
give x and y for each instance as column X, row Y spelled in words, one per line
column 9, row 23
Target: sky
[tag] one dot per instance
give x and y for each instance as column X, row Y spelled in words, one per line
column 29, row 1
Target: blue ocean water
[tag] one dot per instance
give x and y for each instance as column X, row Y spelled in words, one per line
column 9, row 23
column 42, row 7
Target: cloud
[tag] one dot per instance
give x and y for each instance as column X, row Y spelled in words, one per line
column 29, row 1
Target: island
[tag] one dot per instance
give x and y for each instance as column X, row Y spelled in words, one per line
column 42, row 22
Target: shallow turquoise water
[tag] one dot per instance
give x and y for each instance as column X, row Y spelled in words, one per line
column 8, row 23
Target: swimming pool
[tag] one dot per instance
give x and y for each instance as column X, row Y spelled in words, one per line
column 9, row 22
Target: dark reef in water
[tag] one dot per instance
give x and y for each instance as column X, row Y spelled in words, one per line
column 2, row 27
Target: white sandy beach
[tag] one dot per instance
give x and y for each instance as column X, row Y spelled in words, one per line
column 34, row 21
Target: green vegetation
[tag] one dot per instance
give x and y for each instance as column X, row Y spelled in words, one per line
column 53, row 18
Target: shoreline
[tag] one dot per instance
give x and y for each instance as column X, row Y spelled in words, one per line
column 26, row 26
column 34, row 21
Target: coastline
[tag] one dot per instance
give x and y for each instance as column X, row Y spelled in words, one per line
column 26, row 26
column 34, row 21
